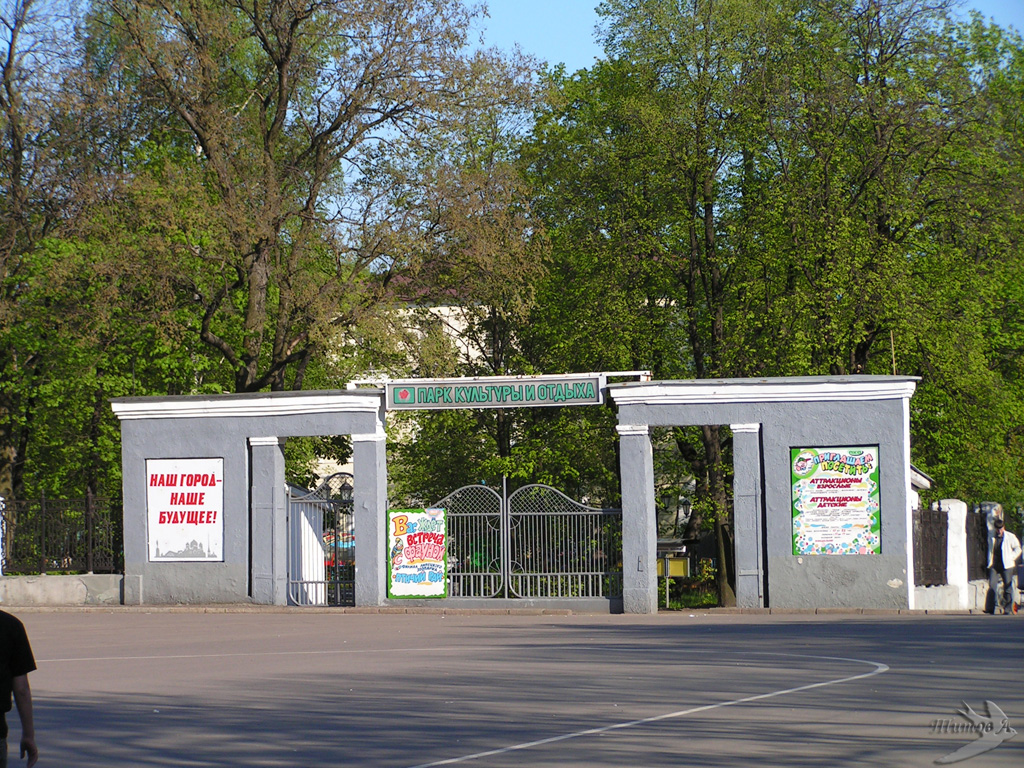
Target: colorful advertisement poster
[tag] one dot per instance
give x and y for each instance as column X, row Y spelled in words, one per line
column 417, row 559
column 836, row 501
column 185, row 509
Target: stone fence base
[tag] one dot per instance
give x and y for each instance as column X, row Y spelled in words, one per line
column 86, row 589
column 947, row 598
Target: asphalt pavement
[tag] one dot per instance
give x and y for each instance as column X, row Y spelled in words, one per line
column 153, row 687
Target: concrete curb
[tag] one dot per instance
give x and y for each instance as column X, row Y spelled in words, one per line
column 407, row 610
column 844, row 611
column 280, row 609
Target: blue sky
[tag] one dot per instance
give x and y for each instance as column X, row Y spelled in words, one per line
column 563, row 30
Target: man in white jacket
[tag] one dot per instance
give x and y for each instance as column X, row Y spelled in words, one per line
column 1003, row 551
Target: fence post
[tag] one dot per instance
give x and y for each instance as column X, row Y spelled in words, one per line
column 88, row 529
column 42, row 532
column 506, row 540
column 956, row 548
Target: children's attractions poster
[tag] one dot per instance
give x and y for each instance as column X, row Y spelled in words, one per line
column 417, row 543
column 185, row 507
column 835, row 501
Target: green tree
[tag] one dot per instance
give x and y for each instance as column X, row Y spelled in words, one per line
column 266, row 234
column 789, row 188
column 662, row 151
column 31, row 204
column 95, row 338
column 968, row 412
column 486, row 252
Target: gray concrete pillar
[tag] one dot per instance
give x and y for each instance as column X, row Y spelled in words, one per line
column 370, row 501
column 268, row 522
column 639, row 520
column 747, row 515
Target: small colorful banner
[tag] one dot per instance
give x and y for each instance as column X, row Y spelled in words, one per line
column 836, row 501
column 417, row 553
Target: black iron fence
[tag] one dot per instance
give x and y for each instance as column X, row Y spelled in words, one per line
column 61, row 535
column 930, row 543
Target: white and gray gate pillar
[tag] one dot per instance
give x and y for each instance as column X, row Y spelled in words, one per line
column 639, row 520
column 847, row 417
column 269, row 527
column 747, row 514
column 246, row 433
column 369, row 499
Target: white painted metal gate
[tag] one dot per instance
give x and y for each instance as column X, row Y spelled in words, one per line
column 533, row 543
column 321, row 544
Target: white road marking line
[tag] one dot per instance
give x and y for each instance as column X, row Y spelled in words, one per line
column 878, row 669
column 329, row 652
column 326, row 652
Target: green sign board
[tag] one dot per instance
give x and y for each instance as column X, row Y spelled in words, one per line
column 495, row 392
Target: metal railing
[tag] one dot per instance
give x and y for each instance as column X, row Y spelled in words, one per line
column 321, row 544
column 61, row 535
column 476, row 542
column 535, row 542
column 561, row 548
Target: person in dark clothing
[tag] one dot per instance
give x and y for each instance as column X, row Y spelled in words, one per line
column 16, row 661
column 1003, row 551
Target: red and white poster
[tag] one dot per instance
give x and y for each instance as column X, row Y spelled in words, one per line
column 185, row 505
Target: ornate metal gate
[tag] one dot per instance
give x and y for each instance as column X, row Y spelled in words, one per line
column 930, row 534
column 321, row 544
column 535, row 542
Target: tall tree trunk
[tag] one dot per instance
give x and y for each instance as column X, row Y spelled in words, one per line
column 718, row 489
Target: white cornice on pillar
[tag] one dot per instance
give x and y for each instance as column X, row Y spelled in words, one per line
column 371, row 437
column 755, row 428
column 264, row 441
column 260, row 404
column 802, row 389
column 625, row 430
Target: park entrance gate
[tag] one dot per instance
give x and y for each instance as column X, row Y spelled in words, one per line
column 246, row 520
column 535, row 542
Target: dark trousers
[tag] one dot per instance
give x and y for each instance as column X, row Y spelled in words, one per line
column 1004, row 599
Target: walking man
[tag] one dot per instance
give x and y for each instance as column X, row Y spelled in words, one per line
column 1003, row 551
column 16, row 661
